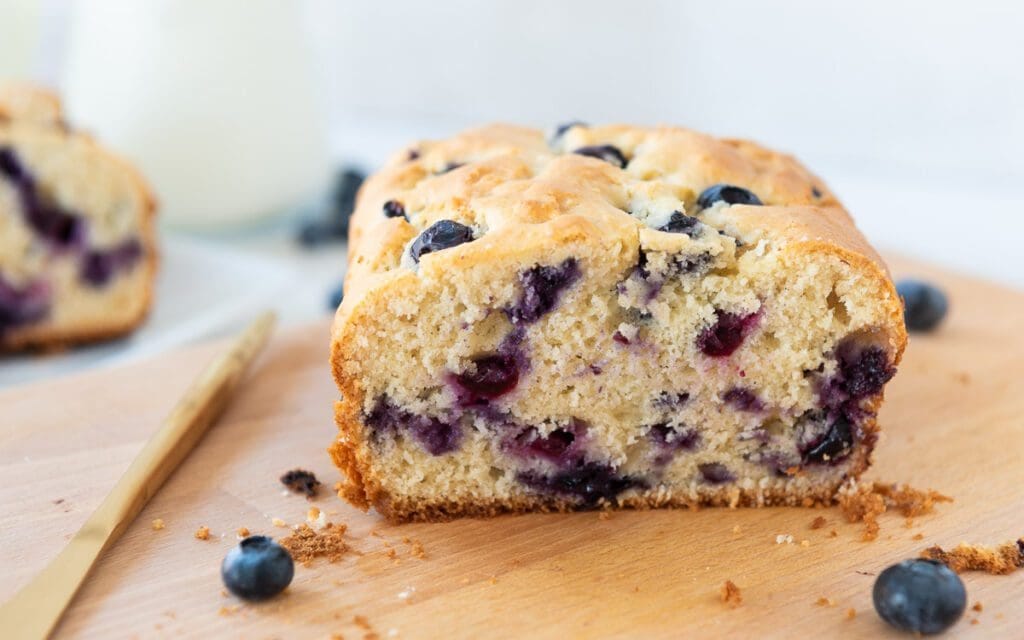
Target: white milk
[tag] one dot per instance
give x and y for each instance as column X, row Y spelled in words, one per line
column 214, row 99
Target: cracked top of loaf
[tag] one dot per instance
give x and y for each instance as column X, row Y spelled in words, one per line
column 520, row 189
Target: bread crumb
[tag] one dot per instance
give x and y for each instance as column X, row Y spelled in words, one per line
column 977, row 607
column 416, row 550
column 833, row 534
column 301, row 481
column 736, row 530
column 316, row 518
column 805, row 543
column 851, row 613
column 604, row 515
column 974, row 621
column 492, row 580
column 158, row 524
column 730, row 594
column 306, row 544
column 337, row 636
column 825, row 602
column 243, row 532
column 783, row 537
column 278, row 522
column 1004, row 559
column 864, row 502
column 917, row 536
column 202, row 533
column 818, row 522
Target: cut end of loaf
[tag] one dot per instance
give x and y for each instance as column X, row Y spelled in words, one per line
column 609, row 349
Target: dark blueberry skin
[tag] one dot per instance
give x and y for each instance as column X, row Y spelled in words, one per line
column 335, row 297
column 60, row 228
column 919, row 596
column 833, row 446
column 21, row 306
column 436, row 436
column 542, row 286
column 730, row 194
column 681, row 223
column 565, row 126
column 493, row 377
column 443, row 234
column 925, row 305
column 331, row 222
column 715, row 473
column 394, row 209
column 257, row 569
column 865, row 370
column 726, row 334
column 588, row 484
column 606, row 152
column 555, row 447
column 98, row 267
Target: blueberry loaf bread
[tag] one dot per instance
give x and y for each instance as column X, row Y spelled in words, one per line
column 77, row 253
column 612, row 316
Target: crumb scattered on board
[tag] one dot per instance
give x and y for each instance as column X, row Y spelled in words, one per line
column 730, row 594
column 202, row 533
column 301, row 481
column 818, row 522
column 158, row 524
column 278, row 522
column 864, row 502
column 306, row 543
column 243, row 532
column 977, row 607
column 825, row 602
column 1001, row 560
column 851, row 613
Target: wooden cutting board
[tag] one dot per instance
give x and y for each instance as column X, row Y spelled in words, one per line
column 954, row 421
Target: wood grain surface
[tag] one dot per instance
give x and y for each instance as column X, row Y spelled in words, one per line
column 954, row 421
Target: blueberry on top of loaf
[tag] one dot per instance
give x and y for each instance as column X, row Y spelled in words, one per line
column 77, row 248
column 607, row 316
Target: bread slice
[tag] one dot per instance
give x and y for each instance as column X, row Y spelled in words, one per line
column 617, row 316
column 77, row 246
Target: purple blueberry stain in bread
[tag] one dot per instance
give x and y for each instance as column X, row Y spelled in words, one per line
column 621, row 339
column 394, row 209
column 20, row 306
column 715, row 473
column 542, row 286
column 609, row 153
column 489, row 378
column 726, row 333
column 60, row 228
column 670, row 400
column 742, row 399
column 98, row 266
column 865, row 369
column 387, row 420
column 673, row 438
column 589, row 483
column 443, row 234
column 560, row 446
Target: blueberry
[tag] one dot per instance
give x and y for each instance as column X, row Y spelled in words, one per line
column 344, row 192
column 715, row 473
column 834, row 445
column 742, row 399
column 443, row 234
column 606, row 152
column 864, row 370
column 542, row 287
column 21, row 306
column 257, row 569
column 63, row 229
column 330, row 222
column 673, row 438
column 680, row 223
column 919, row 596
column 388, row 420
column 727, row 193
column 336, row 296
column 493, row 377
column 588, row 484
column 98, row 267
column 726, row 334
column 925, row 305
column 394, row 209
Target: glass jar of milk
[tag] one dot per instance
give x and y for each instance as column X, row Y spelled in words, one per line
column 214, row 99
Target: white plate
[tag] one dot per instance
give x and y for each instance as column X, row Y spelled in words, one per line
column 202, row 289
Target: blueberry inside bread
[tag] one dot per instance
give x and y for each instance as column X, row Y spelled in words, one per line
column 77, row 255
column 614, row 316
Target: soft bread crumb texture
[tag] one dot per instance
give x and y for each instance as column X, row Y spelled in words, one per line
column 616, row 361
column 72, row 173
column 305, row 544
column 865, row 501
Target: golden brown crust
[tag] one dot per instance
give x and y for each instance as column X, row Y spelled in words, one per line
column 541, row 198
